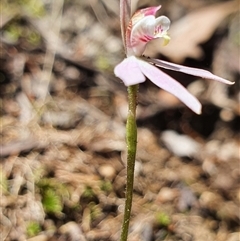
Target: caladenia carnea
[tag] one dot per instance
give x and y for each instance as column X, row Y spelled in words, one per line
column 135, row 68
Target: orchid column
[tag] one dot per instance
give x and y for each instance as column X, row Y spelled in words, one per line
column 133, row 70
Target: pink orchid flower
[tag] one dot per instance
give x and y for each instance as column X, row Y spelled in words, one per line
column 142, row 28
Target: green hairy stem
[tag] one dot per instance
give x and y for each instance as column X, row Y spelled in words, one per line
column 131, row 139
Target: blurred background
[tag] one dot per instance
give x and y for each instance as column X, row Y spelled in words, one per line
column 63, row 113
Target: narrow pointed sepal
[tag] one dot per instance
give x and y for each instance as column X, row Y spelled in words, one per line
column 169, row 84
column 188, row 70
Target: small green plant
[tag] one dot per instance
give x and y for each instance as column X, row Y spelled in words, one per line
column 106, row 186
column 34, row 8
column 51, row 201
column 88, row 193
column 17, row 28
column 163, row 219
column 53, row 194
column 95, row 210
column 13, row 32
column 33, row 228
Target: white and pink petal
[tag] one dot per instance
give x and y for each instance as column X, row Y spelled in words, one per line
column 142, row 32
column 150, row 11
column 129, row 71
column 162, row 24
column 169, row 84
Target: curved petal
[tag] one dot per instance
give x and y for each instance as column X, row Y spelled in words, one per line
column 169, row 84
column 162, row 25
column 150, row 10
column 129, row 72
column 140, row 14
column 142, row 33
column 188, row 70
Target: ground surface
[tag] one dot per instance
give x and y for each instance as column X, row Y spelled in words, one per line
column 63, row 126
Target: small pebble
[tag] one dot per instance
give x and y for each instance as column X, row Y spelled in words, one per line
column 107, row 171
column 167, row 195
column 73, row 230
column 180, row 145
